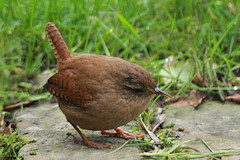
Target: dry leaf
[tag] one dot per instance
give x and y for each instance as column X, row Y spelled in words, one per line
column 6, row 130
column 180, row 102
column 198, row 80
column 234, row 98
column 196, row 98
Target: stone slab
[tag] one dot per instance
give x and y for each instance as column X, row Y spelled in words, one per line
column 216, row 123
column 46, row 124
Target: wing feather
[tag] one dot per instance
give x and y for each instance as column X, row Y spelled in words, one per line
column 64, row 86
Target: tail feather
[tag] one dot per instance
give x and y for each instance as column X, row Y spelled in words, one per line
column 60, row 48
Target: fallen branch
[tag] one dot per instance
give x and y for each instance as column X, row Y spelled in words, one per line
column 18, row 105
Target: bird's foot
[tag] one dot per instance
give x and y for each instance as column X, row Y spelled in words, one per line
column 92, row 144
column 86, row 141
column 123, row 134
column 89, row 143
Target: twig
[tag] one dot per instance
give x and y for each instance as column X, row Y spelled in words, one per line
column 15, row 106
column 151, row 134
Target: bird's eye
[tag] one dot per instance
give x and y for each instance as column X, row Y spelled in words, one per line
column 137, row 90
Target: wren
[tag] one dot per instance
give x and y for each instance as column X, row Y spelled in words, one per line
column 98, row 92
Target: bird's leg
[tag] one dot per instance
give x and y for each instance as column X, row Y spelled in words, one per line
column 121, row 133
column 75, row 139
column 89, row 143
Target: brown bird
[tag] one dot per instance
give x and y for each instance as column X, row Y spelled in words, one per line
column 97, row 92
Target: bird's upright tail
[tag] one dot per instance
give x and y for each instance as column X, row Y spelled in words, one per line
column 60, row 48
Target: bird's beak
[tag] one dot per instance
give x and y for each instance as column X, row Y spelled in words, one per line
column 160, row 92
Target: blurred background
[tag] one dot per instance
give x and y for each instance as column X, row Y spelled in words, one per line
column 179, row 42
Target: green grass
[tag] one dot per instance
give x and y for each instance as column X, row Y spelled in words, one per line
column 144, row 32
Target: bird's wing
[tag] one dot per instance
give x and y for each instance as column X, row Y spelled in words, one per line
column 65, row 86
